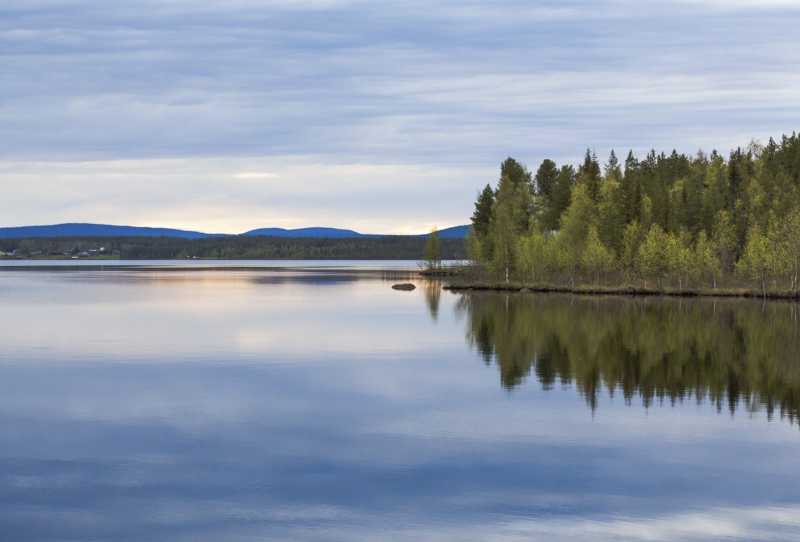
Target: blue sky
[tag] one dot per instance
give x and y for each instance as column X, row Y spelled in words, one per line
column 379, row 116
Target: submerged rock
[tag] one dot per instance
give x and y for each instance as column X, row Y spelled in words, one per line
column 405, row 286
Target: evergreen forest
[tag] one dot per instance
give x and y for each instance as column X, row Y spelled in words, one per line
column 665, row 221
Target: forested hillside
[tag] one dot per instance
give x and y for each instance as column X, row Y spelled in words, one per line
column 664, row 219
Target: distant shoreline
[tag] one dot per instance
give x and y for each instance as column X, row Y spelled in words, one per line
column 338, row 266
column 227, row 248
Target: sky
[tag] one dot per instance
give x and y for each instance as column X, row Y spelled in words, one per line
column 382, row 116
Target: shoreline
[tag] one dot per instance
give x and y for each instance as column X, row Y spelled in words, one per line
column 627, row 291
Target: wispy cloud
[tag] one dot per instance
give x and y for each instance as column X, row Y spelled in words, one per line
column 453, row 84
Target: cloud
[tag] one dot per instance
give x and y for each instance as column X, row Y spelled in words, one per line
column 754, row 5
column 256, row 175
column 233, row 195
column 456, row 85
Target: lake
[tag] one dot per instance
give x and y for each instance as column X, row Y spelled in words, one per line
column 320, row 405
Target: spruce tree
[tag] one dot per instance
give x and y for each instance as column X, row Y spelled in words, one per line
column 482, row 215
column 612, row 168
column 589, row 175
column 546, row 177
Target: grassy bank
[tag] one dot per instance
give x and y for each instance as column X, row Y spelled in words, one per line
column 466, row 279
column 620, row 290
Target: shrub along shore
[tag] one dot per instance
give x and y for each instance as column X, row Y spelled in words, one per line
column 465, row 279
column 620, row 290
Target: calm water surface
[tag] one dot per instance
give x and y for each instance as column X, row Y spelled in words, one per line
column 278, row 405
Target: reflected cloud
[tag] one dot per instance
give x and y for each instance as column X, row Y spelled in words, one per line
column 353, row 417
column 734, row 524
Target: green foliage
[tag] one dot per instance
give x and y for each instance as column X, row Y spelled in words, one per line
column 520, row 178
column 725, row 242
column 575, row 225
column 670, row 219
column 596, row 258
column 679, row 258
column 504, row 228
column 611, row 222
column 705, row 265
column 755, row 263
column 789, row 233
column 653, row 256
column 474, row 248
column 534, row 256
column 632, row 239
column 433, row 251
column 579, row 216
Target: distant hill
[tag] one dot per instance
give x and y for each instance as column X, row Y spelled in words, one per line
column 456, row 232
column 319, row 233
column 95, row 230
column 107, row 230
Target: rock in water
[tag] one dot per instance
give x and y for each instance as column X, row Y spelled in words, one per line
column 405, row 286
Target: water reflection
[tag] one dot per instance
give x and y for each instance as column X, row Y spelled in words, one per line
column 433, row 297
column 733, row 353
column 248, row 406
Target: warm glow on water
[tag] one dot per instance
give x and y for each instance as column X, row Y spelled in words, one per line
column 295, row 405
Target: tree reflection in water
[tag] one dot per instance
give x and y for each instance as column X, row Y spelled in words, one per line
column 733, row 353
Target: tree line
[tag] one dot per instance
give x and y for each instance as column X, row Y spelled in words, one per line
column 667, row 220
column 391, row 247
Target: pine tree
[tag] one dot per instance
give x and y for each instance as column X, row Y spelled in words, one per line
column 560, row 199
column 517, row 173
column 546, row 177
